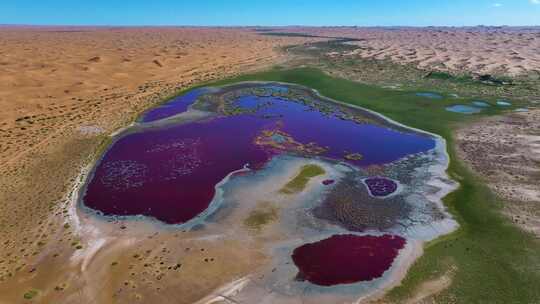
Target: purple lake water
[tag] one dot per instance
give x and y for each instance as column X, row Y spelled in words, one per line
column 380, row 186
column 174, row 106
column 346, row 259
column 170, row 172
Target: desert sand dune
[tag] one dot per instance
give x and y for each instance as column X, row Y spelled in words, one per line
column 52, row 77
column 62, row 92
column 487, row 50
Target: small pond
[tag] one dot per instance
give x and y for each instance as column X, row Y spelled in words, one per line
column 430, row 95
column 326, row 263
column 463, row 109
column 481, row 104
column 503, row 103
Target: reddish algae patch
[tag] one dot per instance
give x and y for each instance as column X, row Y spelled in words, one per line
column 346, row 259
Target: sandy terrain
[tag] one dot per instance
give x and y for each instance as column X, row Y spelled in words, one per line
column 503, row 50
column 53, row 77
column 505, row 151
column 62, row 91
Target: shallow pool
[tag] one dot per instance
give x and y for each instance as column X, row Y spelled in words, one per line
column 430, row 95
column 174, row 106
column 365, row 258
column 463, row 109
column 503, row 103
column 481, row 103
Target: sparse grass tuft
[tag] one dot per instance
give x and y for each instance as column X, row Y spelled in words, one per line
column 299, row 182
column 258, row 218
column 29, row 295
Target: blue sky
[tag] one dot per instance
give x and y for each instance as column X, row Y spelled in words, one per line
column 275, row 12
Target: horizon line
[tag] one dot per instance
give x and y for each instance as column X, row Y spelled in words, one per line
column 258, row 26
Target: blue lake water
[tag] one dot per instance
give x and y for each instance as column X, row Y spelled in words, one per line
column 481, row 103
column 429, row 95
column 503, row 103
column 463, row 109
column 175, row 106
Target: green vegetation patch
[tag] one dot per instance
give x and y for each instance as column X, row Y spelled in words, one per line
column 299, row 182
column 259, row 218
column 32, row 293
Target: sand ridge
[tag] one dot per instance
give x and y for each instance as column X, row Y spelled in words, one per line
column 481, row 50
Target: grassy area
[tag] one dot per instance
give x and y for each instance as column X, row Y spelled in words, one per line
column 299, row 182
column 494, row 261
column 258, row 218
column 29, row 295
column 332, row 57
